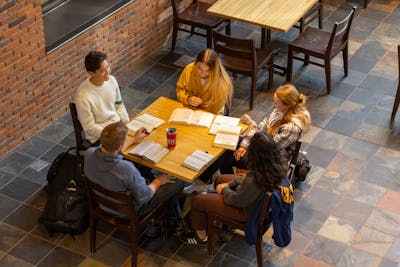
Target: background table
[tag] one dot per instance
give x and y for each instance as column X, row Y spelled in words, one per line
column 278, row 15
column 189, row 139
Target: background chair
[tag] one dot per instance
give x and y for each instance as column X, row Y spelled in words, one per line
column 195, row 16
column 323, row 45
column 81, row 143
column 240, row 56
column 316, row 12
column 397, row 98
column 121, row 203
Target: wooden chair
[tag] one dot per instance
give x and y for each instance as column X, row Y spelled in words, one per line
column 240, row 56
column 323, row 45
column 293, row 159
column 122, row 203
column 316, row 12
column 195, row 16
column 213, row 218
column 81, row 143
column 365, row 3
column 397, row 98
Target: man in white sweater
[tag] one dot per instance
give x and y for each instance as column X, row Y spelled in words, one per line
column 98, row 99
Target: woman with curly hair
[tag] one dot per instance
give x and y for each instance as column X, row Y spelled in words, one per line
column 285, row 125
column 237, row 197
column 205, row 84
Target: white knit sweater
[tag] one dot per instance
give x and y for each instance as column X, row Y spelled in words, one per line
column 99, row 106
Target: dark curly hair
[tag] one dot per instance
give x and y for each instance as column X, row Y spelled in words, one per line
column 265, row 162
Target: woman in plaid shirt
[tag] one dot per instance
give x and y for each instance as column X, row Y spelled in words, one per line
column 285, row 124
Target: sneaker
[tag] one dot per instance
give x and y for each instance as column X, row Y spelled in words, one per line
column 193, row 239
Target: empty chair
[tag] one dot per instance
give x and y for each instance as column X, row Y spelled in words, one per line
column 195, row 16
column 242, row 57
column 316, row 12
column 323, row 45
column 120, row 203
column 397, row 98
column 81, row 143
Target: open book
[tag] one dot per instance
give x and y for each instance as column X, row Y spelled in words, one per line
column 150, row 151
column 225, row 124
column 226, row 140
column 197, row 160
column 145, row 120
column 191, row 117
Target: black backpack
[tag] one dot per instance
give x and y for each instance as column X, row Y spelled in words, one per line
column 67, row 209
column 303, row 167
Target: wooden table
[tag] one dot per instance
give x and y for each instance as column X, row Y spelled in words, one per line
column 277, row 15
column 189, row 139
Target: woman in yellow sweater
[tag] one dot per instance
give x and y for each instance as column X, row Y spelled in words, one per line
column 205, row 84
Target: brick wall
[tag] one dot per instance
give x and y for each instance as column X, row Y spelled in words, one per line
column 36, row 87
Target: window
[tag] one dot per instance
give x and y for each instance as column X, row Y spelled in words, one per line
column 66, row 19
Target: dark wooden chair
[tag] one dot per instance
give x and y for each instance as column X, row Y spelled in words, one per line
column 397, row 98
column 127, row 221
column 195, row 16
column 81, row 143
column 214, row 219
column 316, row 12
column 293, row 159
column 365, row 3
column 242, row 57
column 323, row 45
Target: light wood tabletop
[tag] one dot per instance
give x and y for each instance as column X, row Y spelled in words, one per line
column 189, row 138
column 278, row 15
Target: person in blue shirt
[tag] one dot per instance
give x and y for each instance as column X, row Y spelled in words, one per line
column 105, row 166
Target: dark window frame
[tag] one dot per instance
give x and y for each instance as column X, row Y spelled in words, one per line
column 65, row 20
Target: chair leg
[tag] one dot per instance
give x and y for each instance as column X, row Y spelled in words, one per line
column 259, row 252
column 301, row 26
column 134, row 250
column 210, row 233
column 328, row 75
column 166, row 224
column 228, row 27
column 365, row 3
column 345, row 61
column 306, row 59
column 209, row 38
column 271, row 72
column 395, row 104
column 93, row 228
column 289, row 64
column 191, row 30
column 174, row 36
column 253, row 89
column 321, row 17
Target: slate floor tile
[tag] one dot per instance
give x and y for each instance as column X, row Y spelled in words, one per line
column 35, row 147
column 307, row 261
column 373, row 241
column 384, row 221
column 20, row 189
column 381, row 175
column 329, row 140
column 355, row 257
column 15, row 162
column 192, row 257
column 371, row 133
column 339, row 229
column 354, row 211
column 25, row 217
column 390, row 201
column 11, row 261
column 69, row 258
column 319, row 156
column 112, row 252
column 31, row 249
column 7, row 206
column 223, row 259
column 326, row 250
column 347, row 166
column 56, row 132
column 358, row 149
column 5, row 178
column 366, row 192
column 9, row 236
column 307, row 219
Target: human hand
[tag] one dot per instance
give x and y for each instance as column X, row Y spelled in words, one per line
column 239, row 153
column 220, row 187
column 164, row 179
column 246, row 119
column 140, row 134
column 195, row 101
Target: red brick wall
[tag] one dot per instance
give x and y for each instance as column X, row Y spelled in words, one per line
column 36, row 87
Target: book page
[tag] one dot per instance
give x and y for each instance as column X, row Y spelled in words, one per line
column 227, row 141
column 202, row 118
column 149, row 119
column 135, row 125
column 197, row 160
column 221, row 120
column 155, row 153
column 141, row 148
column 229, row 129
column 181, row 116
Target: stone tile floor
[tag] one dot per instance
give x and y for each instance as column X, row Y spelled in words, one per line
column 347, row 212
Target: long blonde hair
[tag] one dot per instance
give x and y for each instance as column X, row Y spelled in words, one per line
column 217, row 92
column 297, row 112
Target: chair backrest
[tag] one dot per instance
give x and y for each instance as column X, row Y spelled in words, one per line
column 242, row 49
column 78, row 130
column 176, row 4
column 341, row 30
column 102, row 200
column 263, row 213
